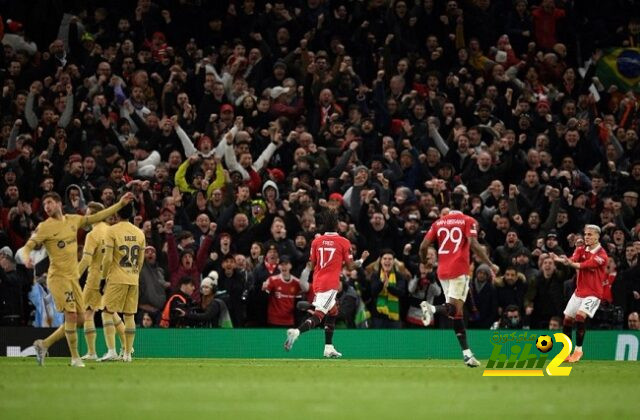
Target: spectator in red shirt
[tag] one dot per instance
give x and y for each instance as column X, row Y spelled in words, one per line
column 283, row 289
column 545, row 20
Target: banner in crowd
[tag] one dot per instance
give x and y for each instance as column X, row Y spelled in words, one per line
column 354, row 344
column 620, row 67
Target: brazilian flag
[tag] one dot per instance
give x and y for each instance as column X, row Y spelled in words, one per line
column 620, row 67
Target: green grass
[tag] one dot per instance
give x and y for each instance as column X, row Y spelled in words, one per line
column 298, row 389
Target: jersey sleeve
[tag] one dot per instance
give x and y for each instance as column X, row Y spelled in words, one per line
column 346, row 251
column 101, row 215
column 577, row 254
column 143, row 242
column 88, row 250
column 471, row 228
column 270, row 284
column 313, row 253
column 595, row 260
column 109, row 245
column 90, row 244
column 40, row 234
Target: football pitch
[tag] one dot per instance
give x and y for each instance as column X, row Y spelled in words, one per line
column 298, row 389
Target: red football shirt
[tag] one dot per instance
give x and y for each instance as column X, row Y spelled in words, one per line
column 606, row 287
column 592, row 273
column 453, row 232
column 328, row 253
column 282, row 300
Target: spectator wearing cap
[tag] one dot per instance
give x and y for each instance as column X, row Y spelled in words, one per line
column 630, row 208
column 283, row 290
column 14, row 287
column 281, row 105
column 233, row 284
column 352, row 196
column 410, row 165
column 185, row 262
column 153, row 285
column 277, row 76
column 552, row 243
column 409, row 239
column 257, row 302
column 522, row 262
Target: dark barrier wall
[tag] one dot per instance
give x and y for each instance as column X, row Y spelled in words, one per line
column 355, row 344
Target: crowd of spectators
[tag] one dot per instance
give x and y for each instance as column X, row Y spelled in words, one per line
column 237, row 123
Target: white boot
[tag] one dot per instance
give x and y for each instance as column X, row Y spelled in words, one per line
column 330, row 352
column 109, row 356
column 427, row 312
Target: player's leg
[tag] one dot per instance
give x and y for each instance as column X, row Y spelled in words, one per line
column 42, row 346
column 71, row 333
column 455, row 291
column 322, row 302
column 90, row 334
column 329, row 327
column 111, row 303
column 461, row 333
column 130, row 308
column 570, row 314
column 92, row 299
column 120, row 328
column 109, row 331
column 447, row 309
column 588, row 308
column 567, row 326
column 130, row 334
column 67, row 298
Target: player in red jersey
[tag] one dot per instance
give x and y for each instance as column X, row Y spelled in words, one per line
column 328, row 254
column 456, row 233
column 590, row 261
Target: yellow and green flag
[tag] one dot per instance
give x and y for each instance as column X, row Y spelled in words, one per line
column 620, row 67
